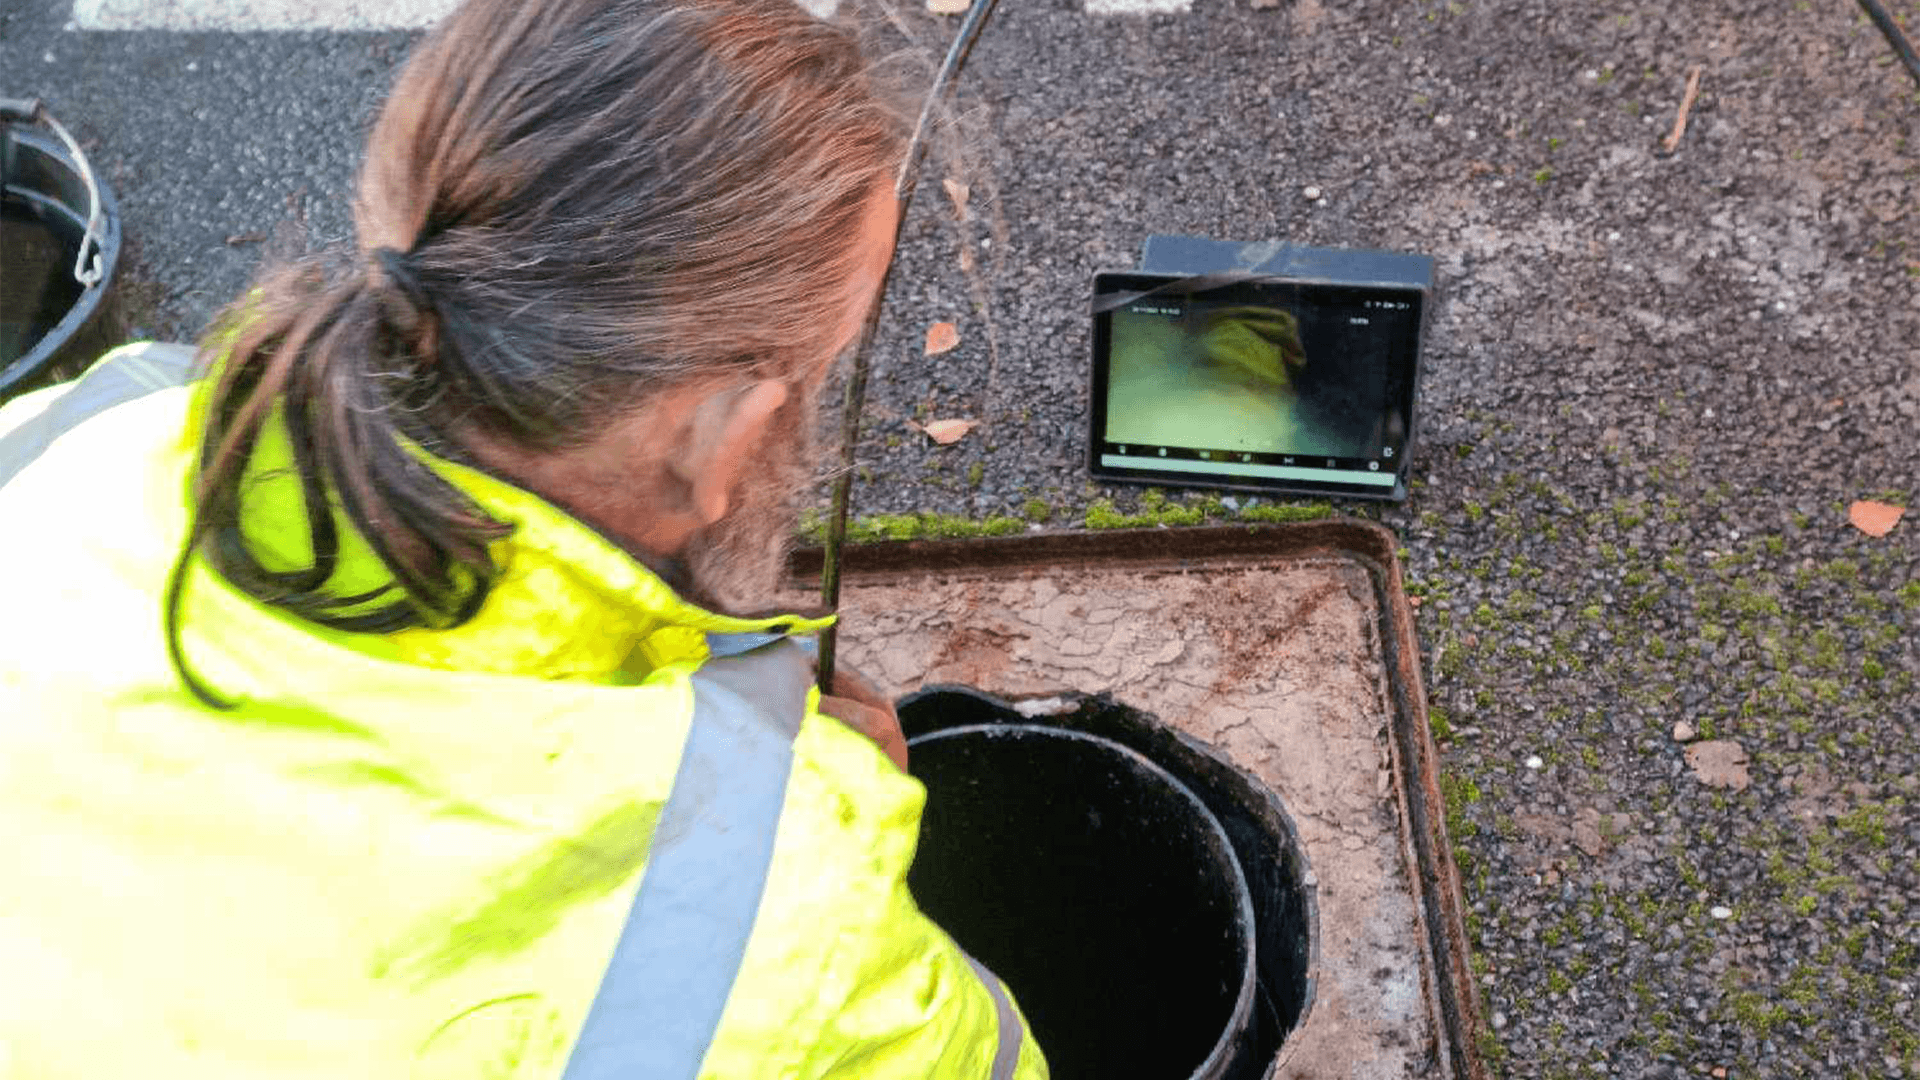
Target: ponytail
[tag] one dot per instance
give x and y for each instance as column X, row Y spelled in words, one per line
column 318, row 359
column 582, row 196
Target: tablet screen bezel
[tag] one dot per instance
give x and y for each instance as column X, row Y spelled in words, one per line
column 1303, row 475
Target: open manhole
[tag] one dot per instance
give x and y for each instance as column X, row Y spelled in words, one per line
column 1245, row 663
column 1148, row 901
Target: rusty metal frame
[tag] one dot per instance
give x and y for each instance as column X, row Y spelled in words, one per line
column 1452, row 998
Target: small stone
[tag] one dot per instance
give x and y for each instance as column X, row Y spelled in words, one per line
column 46, row 57
column 1311, row 193
column 193, row 65
column 1684, row 732
column 1534, row 762
column 1721, row 911
column 1499, row 1021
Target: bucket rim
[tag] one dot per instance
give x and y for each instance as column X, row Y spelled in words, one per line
column 15, row 137
column 1242, row 1011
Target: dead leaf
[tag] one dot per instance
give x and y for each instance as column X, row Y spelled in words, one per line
column 1719, row 763
column 958, row 192
column 1587, row 834
column 948, row 7
column 966, row 260
column 948, row 432
column 942, row 337
column 237, row 239
column 1874, row 518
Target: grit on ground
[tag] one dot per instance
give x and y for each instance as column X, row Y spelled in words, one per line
column 1655, row 381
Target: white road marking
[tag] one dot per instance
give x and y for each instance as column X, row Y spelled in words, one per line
column 258, row 14
column 283, row 14
column 1138, row 7
column 241, row 15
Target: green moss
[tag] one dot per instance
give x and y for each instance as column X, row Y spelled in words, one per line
column 1755, row 1013
column 1036, row 510
column 1102, row 515
column 920, row 526
column 1867, row 822
column 1286, row 512
column 1826, row 650
column 976, row 472
column 1459, row 793
column 1488, row 1044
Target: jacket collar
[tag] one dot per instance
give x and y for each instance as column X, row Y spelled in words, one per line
column 567, row 603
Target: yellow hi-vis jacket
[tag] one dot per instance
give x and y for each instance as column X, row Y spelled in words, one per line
column 567, row 839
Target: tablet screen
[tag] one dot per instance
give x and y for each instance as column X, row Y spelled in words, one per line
column 1262, row 384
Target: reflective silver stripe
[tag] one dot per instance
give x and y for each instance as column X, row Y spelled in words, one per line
column 673, row 969
column 128, row 373
column 720, row 644
column 1012, row 1031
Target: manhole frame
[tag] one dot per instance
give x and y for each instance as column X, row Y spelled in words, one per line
column 1432, row 876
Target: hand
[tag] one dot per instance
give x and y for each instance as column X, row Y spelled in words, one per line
column 857, row 703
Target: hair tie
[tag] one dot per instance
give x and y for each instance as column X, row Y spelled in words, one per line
column 399, row 271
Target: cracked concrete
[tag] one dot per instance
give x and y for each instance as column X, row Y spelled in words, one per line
column 1279, row 666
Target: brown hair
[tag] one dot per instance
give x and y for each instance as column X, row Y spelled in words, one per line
column 566, row 206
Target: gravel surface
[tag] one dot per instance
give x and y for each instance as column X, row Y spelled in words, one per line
column 1655, row 383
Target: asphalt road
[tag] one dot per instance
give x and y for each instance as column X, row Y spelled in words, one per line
column 1655, row 383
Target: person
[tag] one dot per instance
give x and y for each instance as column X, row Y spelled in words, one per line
column 397, row 687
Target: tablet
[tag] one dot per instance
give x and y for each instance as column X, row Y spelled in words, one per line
column 1254, row 382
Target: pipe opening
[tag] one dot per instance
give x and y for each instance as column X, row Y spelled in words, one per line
column 1148, row 903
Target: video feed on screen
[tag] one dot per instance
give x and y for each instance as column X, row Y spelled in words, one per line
column 1256, row 379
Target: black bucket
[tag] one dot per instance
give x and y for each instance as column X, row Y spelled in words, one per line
column 1148, row 903
column 53, row 316
column 1098, row 887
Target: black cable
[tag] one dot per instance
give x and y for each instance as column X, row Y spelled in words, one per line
column 1894, row 36
column 852, row 403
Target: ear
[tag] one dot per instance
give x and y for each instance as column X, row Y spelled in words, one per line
column 721, row 436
